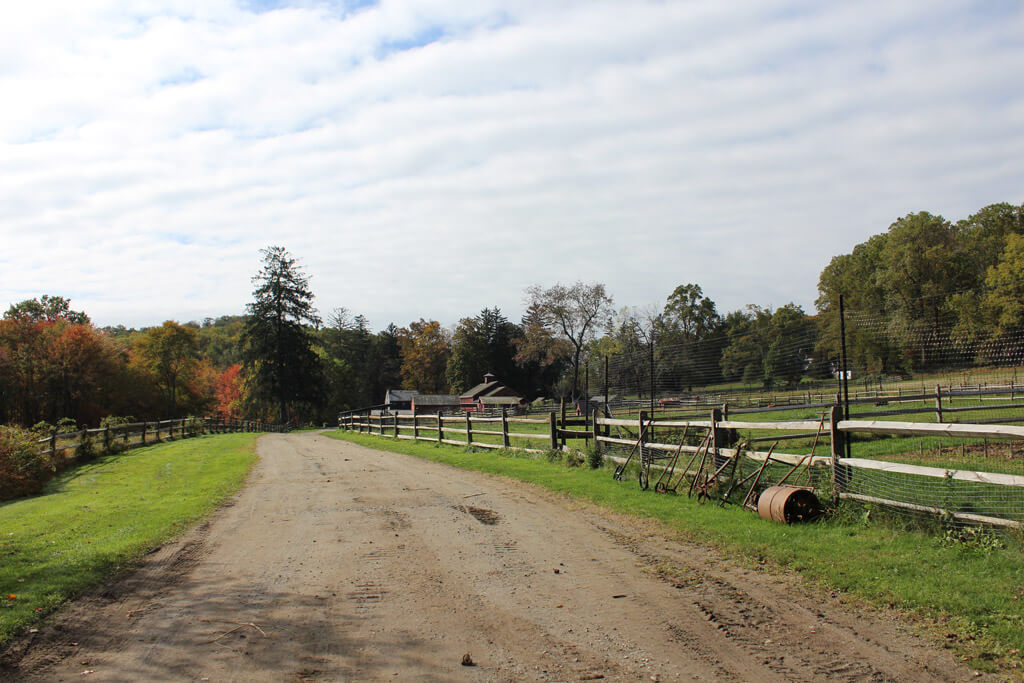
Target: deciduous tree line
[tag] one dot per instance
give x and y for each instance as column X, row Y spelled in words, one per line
column 281, row 361
column 54, row 363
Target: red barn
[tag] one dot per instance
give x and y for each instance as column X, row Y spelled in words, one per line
column 489, row 395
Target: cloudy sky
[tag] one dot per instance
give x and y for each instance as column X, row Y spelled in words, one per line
column 428, row 158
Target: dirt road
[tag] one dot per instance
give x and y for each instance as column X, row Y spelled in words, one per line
column 341, row 563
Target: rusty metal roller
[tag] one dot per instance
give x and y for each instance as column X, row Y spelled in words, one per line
column 787, row 504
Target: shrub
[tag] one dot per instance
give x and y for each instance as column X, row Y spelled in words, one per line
column 86, row 447
column 117, row 442
column 595, row 458
column 25, row 467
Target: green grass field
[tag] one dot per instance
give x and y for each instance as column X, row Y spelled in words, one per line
column 99, row 518
column 970, row 586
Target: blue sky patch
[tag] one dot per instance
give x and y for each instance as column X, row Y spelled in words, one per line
column 183, row 77
column 421, row 39
column 344, row 7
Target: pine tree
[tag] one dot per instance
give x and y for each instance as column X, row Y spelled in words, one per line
column 280, row 364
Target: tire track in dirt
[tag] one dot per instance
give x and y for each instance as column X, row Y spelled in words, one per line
column 337, row 562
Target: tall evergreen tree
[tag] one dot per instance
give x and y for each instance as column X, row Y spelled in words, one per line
column 483, row 344
column 280, row 364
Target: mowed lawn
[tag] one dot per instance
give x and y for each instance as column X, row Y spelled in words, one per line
column 97, row 519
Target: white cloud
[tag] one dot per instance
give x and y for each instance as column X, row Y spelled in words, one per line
column 427, row 159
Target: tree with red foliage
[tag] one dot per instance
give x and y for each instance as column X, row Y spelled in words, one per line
column 227, row 390
column 53, row 368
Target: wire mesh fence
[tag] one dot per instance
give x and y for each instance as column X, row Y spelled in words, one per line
column 936, row 369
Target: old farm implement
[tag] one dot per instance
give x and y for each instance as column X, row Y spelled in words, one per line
column 715, row 472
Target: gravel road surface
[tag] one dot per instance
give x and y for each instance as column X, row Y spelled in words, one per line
column 338, row 562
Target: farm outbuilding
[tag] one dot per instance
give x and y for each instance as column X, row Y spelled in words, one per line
column 424, row 404
column 491, row 394
column 399, row 399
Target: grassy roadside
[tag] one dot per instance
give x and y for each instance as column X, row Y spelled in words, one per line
column 97, row 518
column 973, row 589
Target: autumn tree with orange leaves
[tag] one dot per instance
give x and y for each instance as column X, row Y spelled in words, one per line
column 425, row 347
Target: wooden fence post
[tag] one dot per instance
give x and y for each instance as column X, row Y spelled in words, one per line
column 469, row 430
column 144, row 426
column 53, row 444
column 504, row 428
column 561, row 424
column 838, row 448
column 440, row 427
column 938, row 404
column 596, row 432
column 415, row 426
column 552, row 422
column 396, row 424
column 717, row 437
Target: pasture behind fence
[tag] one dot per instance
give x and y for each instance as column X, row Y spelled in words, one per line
column 527, row 433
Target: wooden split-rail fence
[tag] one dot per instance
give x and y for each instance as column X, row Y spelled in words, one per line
column 441, row 428
column 112, row 438
column 832, row 430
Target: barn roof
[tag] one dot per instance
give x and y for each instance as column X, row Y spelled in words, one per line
column 500, row 400
column 482, row 390
column 436, row 400
column 395, row 395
